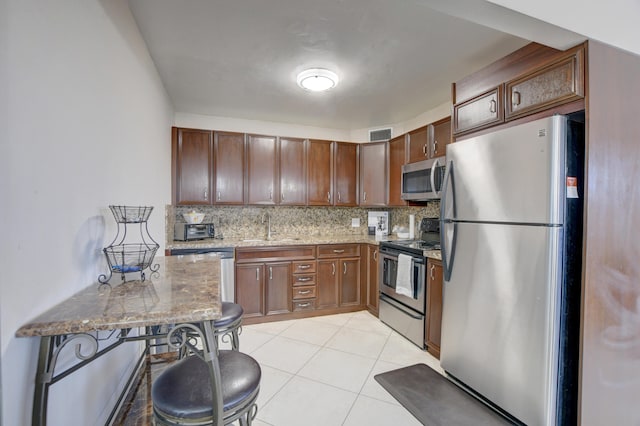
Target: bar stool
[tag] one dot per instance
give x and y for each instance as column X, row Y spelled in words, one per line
column 207, row 387
column 229, row 324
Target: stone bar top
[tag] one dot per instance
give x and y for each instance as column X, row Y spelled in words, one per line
column 286, row 241
column 185, row 289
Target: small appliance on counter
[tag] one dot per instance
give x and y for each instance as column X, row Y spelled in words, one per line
column 193, row 231
column 378, row 223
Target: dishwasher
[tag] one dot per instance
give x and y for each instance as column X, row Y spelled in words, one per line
column 227, row 274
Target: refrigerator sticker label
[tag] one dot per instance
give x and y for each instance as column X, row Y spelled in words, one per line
column 572, row 187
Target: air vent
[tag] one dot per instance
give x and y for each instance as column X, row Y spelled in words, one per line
column 379, row 135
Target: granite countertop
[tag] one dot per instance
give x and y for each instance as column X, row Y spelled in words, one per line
column 284, row 241
column 185, row 289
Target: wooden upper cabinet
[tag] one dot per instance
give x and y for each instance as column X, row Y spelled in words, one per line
column 476, row 113
column 192, row 166
column 397, row 158
column 229, row 168
column 418, row 144
column 439, row 137
column 559, row 82
column 320, row 173
column 293, row 173
column 373, row 174
column 346, row 174
column 261, row 169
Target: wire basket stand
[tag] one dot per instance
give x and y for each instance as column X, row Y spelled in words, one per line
column 124, row 257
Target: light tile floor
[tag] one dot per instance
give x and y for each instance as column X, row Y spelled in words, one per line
column 319, row 371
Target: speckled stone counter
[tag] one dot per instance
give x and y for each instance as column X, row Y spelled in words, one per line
column 285, row 241
column 185, row 289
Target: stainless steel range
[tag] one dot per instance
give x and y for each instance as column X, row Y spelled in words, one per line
column 403, row 281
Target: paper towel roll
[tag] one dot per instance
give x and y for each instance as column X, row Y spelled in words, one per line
column 412, row 226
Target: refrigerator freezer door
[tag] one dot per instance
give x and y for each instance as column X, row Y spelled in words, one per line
column 512, row 175
column 500, row 321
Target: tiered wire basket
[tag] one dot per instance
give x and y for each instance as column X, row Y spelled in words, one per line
column 124, row 258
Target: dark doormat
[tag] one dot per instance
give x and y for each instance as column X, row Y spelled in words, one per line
column 434, row 400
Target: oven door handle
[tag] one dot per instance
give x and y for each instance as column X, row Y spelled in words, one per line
column 399, row 307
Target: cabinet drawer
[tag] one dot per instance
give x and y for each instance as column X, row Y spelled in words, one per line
column 479, row 112
column 304, row 292
column 304, row 305
column 270, row 254
column 303, row 267
column 555, row 84
column 339, row 250
column 306, row 279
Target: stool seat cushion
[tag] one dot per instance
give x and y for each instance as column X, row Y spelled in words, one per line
column 183, row 390
column 231, row 312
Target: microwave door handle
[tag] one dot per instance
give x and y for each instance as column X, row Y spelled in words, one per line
column 434, row 168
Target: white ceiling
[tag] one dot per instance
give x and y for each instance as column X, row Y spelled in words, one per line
column 239, row 58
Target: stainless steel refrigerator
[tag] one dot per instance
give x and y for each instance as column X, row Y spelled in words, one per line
column 511, row 237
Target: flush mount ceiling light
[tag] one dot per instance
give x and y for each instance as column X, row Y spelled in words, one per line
column 317, row 79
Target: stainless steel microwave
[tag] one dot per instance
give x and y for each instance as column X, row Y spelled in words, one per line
column 422, row 181
column 193, row 231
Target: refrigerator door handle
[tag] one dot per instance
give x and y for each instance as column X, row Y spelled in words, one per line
column 448, row 255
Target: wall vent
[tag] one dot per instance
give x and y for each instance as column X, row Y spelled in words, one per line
column 380, row 135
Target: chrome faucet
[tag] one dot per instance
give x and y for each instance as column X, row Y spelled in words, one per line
column 268, row 224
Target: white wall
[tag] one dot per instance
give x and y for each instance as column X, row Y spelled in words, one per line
column 197, row 121
column 88, row 126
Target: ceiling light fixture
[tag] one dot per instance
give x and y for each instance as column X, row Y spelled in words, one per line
column 317, row 79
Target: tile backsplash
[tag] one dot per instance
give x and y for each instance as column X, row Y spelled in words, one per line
column 242, row 222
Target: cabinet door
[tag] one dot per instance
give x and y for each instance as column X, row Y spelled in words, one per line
column 229, row 168
column 193, row 151
column 439, row 137
column 560, row 82
column 434, row 307
column 250, row 288
column 293, row 173
column 261, row 169
column 349, row 282
column 327, row 284
column 320, row 173
column 397, row 158
column 373, row 174
column 278, row 294
column 346, row 174
column 419, row 144
column 372, row 279
column 479, row 112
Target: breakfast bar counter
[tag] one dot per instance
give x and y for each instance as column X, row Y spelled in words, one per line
column 185, row 289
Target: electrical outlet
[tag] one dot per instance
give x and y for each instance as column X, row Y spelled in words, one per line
column 355, row 222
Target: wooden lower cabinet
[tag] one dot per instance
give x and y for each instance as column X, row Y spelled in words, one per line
column 372, row 279
column 263, row 288
column 327, row 292
column 250, row 289
column 434, row 307
column 278, row 282
column 292, row 282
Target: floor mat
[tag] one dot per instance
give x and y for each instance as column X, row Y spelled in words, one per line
column 434, row 400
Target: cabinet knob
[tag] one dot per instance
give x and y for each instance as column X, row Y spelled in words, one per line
column 304, row 305
column 219, row 196
column 328, row 196
column 304, row 292
column 338, row 250
column 303, row 279
column 304, row 266
column 424, row 149
column 205, row 193
column 270, row 272
column 333, row 269
column 344, row 268
column 257, row 274
column 431, row 272
column 282, row 196
column 375, row 255
column 270, row 194
column 364, row 194
column 435, row 146
column 339, row 197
